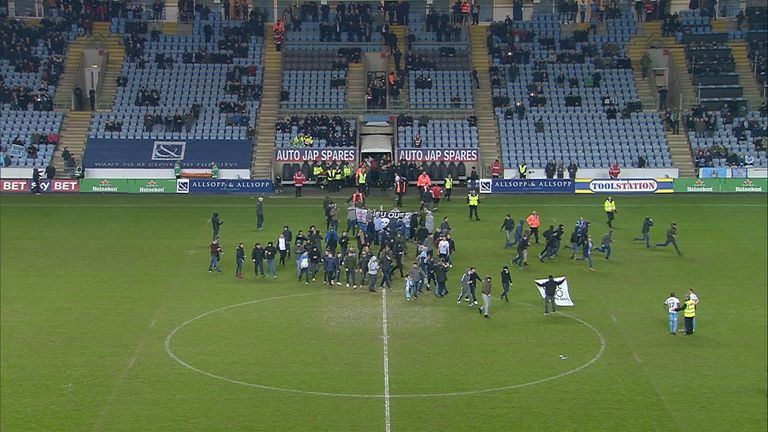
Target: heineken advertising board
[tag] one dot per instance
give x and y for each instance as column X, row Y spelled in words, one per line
column 722, row 185
column 96, row 185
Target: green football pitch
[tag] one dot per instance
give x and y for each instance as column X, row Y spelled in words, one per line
column 110, row 322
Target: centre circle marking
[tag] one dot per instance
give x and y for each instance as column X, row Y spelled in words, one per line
column 179, row 360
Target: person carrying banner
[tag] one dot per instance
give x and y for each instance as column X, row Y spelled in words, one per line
column 550, row 288
column 689, row 314
column 448, row 185
column 610, row 210
column 298, row 182
column 646, row 230
column 472, row 202
column 534, row 222
column 670, row 305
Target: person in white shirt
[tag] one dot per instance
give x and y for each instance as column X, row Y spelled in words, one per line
column 671, row 304
column 692, row 295
column 444, row 248
column 282, row 248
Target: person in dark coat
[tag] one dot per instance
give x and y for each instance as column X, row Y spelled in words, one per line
column 550, row 288
column 216, row 222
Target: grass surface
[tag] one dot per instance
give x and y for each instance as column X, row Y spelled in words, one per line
column 92, row 286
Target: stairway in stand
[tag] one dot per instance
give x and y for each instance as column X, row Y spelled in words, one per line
column 400, row 31
column 487, row 127
column 356, row 86
column 680, row 150
column 752, row 91
column 636, row 49
column 680, row 64
column 74, row 130
column 264, row 150
column 115, row 60
column 63, row 98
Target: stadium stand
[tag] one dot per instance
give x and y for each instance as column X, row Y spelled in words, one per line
column 36, row 131
column 436, row 133
column 720, row 139
column 559, row 97
column 31, row 64
column 315, row 131
column 202, row 86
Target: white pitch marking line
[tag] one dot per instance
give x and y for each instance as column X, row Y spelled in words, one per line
column 385, row 336
column 152, row 324
column 614, row 318
column 637, row 357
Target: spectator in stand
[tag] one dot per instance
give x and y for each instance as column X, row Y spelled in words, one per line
column 614, row 170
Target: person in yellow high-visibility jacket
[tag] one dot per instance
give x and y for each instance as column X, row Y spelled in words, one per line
column 689, row 313
column 610, row 210
column 472, row 202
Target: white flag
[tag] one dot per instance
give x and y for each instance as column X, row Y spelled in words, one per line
column 17, row 150
column 562, row 295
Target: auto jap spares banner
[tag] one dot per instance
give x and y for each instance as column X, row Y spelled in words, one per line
column 314, row 154
column 624, row 186
column 562, row 295
column 438, row 155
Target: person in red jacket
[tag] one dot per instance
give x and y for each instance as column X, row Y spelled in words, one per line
column 436, row 191
column 298, row 182
column 496, row 169
column 614, row 171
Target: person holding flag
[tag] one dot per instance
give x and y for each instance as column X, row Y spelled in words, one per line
column 550, row 288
